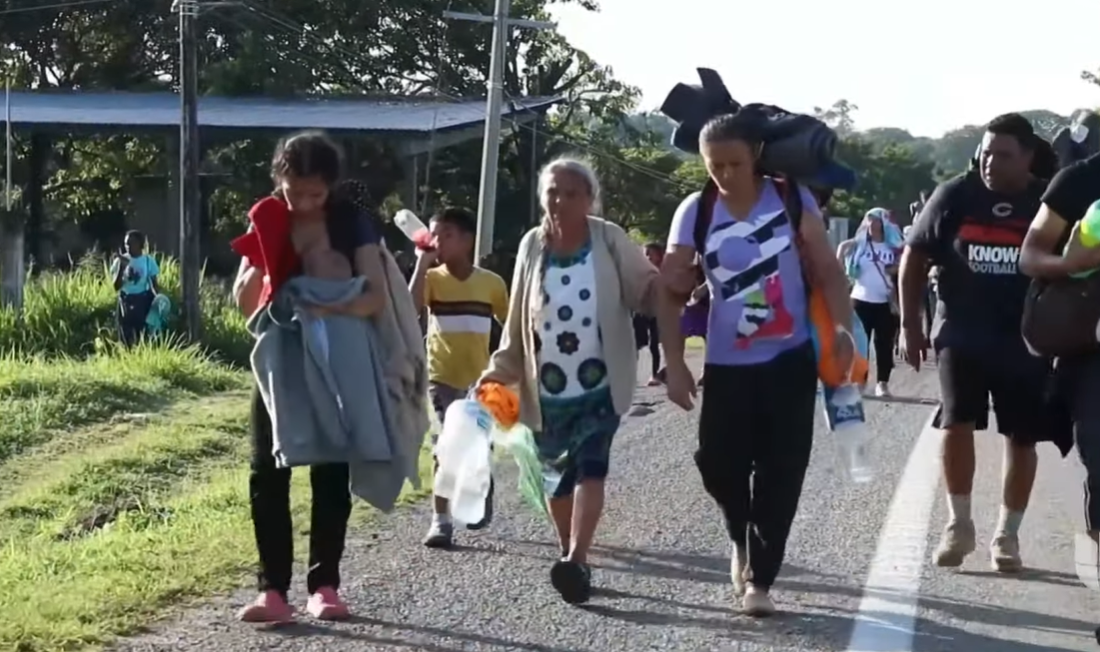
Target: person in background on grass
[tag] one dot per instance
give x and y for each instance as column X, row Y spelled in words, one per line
column 756, row 428
column 461, row 301
column 567, row 345
column 305, row 169
column 870, row 260
column 135, row 275
column 645, row 327
column 972, row 228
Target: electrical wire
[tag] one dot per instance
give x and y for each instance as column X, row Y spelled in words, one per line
column 72, row 4
column 288, row 23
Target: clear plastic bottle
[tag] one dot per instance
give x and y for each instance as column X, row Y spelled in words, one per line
column 846, row 421
column 465, row 465
column 413, row 229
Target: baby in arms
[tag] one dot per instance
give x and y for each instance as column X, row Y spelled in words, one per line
column 328, row 264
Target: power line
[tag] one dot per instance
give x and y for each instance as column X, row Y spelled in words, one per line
column 57, row 5
column 284, row 22
column 300, row 30
column 490, row 155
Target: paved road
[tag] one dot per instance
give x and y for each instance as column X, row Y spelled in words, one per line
column 662, row 564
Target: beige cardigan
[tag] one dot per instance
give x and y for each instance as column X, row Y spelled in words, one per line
column 626, row 282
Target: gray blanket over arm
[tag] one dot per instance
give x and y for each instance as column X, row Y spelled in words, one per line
column 329, row 403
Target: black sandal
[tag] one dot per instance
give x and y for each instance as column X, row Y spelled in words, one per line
column 573, row 581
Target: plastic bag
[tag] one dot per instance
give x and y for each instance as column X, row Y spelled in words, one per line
column 520, row 442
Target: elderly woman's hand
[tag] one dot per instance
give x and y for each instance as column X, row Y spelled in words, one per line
column 679, row 280
column 680, row 384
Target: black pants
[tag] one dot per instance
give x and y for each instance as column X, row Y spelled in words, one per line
column 269, row 490
column 882, row 329
column 929, row 311
column 1080, row 385
column 756, row 432
column 645, row 334
column 133, row 309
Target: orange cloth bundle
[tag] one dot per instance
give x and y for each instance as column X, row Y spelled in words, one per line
column 824, row 331
column 501, row 402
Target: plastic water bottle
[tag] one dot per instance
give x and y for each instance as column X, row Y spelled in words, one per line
column 413, row 229
column 846, row 421
column 463, row 453
column 1089, row 232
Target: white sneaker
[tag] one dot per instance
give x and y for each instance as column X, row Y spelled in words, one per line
column 757, row 603
column 882, row 390
column 1004, row 554
column 958, row 541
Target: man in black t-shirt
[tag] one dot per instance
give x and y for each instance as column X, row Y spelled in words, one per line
column 972, row 228
column 1072, row 193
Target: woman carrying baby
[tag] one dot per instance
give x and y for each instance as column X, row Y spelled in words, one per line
column 331, row 238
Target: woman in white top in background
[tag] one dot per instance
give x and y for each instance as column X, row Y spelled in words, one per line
column 870, row 260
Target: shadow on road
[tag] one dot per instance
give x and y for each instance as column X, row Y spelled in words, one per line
column 417, row 642
column 995, row 615
column 931, row 636
column 1056, row 578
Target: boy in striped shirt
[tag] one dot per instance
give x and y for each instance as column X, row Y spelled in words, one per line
column 461, row 300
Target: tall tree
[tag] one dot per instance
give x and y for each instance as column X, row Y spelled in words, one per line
column 283, row 47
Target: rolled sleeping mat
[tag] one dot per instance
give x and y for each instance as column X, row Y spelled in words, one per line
column 691, row 106
column 797, row 146
column 802, row 154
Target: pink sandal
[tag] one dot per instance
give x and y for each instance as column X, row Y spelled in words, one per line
column 325, row 604
column 270, row 607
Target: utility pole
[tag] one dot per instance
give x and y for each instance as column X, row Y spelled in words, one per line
column 490, row 157
column 190, row 190
column 7, row 147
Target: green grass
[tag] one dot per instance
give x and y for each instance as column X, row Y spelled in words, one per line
column 72, row 313
column 122, row 492
column 41, row 398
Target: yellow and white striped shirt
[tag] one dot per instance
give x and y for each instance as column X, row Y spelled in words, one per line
column 460, row 314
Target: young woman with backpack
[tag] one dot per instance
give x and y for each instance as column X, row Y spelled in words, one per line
column 757, row 249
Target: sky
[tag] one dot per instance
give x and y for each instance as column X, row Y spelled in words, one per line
column 927, row 67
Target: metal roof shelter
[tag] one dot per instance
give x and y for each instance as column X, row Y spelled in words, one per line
column 407, row 121
column 77, row 109
column 410, row 126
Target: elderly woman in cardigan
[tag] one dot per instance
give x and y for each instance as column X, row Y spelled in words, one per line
column 568, row 345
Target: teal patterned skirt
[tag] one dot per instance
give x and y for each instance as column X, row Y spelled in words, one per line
column 575, row 441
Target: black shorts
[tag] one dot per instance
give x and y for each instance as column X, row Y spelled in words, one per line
column 1018, row 385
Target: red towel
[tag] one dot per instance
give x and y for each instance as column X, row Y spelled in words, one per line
column 267, row 246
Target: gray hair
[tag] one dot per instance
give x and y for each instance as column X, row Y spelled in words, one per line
column 583, row 170
column 577, row 166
